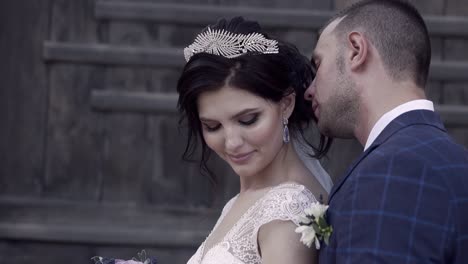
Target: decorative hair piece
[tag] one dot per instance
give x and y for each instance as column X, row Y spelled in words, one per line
column 230, row 45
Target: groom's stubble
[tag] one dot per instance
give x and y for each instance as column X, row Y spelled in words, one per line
column 339, row 114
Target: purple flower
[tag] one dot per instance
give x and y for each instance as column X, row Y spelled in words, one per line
column 142, row 259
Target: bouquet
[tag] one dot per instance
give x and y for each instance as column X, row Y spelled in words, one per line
column 142, row 259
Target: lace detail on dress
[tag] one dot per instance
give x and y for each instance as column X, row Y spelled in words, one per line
column 197, row 257
column 284, row 202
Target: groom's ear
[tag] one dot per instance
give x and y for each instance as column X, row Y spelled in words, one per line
column 359, row 48
column 287, row 104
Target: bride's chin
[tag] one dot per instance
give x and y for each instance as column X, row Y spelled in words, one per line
column 244, row 172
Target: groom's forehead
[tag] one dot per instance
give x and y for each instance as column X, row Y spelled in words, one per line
column 328, row 30
column 326, row 37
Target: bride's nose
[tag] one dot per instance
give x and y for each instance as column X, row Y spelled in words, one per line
column 232, row 140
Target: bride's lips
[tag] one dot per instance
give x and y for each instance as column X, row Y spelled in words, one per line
column 241, row 158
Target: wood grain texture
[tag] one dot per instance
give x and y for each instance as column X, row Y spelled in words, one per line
column 74, row 139
column 75, row 136
column 457, row 7
column 208, row 14
column 299, row 4
column 73, row 21
column 172, row 57
column 24, row 252
column 426, row 7
column 144, row 102
column 23, row 96
column 111, row 54
column 429, row 7
column 108, row 223
column 127, row 155
column 311, row 19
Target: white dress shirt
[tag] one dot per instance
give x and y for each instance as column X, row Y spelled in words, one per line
column 394, row 113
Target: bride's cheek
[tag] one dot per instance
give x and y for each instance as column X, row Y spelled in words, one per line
column 266, row 134
column 213, row 142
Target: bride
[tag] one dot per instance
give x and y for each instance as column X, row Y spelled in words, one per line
column 242, row 95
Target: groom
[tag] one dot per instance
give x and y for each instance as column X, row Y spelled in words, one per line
column 405, row 199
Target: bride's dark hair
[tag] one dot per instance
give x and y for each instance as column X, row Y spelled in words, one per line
column 270, row 76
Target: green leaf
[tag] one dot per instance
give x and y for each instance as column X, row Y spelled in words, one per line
column 326, row 238
column 316, row 227
column 322, row 222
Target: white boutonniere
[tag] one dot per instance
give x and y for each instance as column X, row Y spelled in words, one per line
column 313, row 226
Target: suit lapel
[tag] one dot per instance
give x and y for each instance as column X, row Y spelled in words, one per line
column 422, row 117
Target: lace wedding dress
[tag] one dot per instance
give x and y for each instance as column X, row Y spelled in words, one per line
column 284, row 202
column 239, row 246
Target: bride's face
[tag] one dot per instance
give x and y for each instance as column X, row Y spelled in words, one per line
column 243, row 129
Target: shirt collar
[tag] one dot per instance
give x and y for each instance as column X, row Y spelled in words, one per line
column 388, row 117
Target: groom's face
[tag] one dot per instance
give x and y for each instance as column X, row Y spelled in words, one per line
column 332, row 91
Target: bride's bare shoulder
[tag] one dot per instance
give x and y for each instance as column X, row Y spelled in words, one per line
column 279, row 243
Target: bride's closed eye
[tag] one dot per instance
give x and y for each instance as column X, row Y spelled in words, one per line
column 211, row 127
column 246, row 120
column 249, row 119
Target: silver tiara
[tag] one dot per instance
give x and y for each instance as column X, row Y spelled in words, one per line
column 230, row 45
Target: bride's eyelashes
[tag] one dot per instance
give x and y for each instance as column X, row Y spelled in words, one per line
column 211, row 128
column 246, row 120
column 249, row 119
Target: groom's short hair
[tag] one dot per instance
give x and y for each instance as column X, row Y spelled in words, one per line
column 397, row 31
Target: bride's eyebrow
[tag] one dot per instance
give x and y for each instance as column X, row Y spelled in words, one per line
column 245, row 111
column 207, row 120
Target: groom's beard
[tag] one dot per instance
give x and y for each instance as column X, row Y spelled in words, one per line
column 338, row 115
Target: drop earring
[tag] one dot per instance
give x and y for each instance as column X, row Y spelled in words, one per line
column 285, row 130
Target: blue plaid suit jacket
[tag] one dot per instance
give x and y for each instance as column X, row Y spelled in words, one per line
column 404, row 200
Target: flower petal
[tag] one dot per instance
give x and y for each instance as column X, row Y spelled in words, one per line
column 301, row 229
column 304, row 220
column 317, row 244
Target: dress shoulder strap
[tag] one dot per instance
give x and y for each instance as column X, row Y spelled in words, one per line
column 284, row 202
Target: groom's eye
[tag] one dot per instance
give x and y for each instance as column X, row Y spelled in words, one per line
column 314, row 66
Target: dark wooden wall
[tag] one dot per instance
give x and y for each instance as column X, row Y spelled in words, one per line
column 89, row 146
